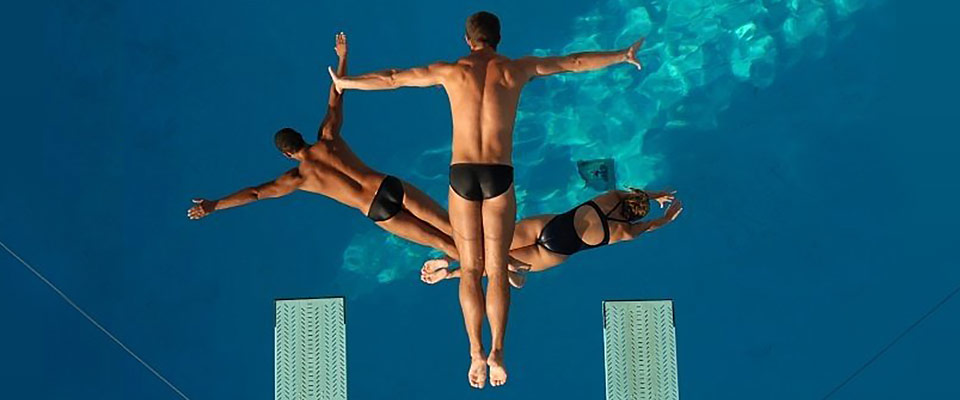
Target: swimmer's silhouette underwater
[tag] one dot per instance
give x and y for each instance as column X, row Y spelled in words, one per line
column 480, row 231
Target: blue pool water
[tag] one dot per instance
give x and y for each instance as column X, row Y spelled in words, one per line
column 810, row 140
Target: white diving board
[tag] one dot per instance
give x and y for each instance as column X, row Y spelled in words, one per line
column 640, row 350
column 310, row 349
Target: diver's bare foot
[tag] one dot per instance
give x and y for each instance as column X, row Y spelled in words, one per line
column 517, row 272
column 517, row 266
column 498, row 374
column 435, row 264
column 434, row 276
column 478, row 372
column 517, row 280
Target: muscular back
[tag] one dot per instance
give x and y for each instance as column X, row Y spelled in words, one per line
column 484, row 89
column 332, row 169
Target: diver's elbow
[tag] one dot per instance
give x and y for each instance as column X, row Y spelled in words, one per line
column 576, row 63
column 392, row 77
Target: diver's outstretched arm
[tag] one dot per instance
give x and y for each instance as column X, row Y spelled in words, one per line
column 668, row 216
column 662, row 197
column 430, row 75
column 334, row 118
column 579, row 62
column 282, row 186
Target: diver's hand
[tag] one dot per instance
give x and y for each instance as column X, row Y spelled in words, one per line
column 341, row 46
column 201, row 208
column 664, row 198
column 674, row 210
column 632, row 53
column 336, row 80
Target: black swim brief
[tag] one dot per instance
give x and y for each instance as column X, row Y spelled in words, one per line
column 476, row 182
column 388, row 201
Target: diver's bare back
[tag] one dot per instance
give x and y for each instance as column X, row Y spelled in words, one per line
column 484, row 89
column 331, row 169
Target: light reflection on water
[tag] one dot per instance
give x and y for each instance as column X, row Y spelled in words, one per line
column 697, row 54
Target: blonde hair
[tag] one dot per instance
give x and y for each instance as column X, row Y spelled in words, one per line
column 636, row 205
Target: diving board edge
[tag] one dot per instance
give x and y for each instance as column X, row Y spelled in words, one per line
column 640, row 352
column 310, row 349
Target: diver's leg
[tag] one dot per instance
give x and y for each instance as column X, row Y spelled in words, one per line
column 525, row 235
column 516, row 280
column 406, row 226
column 536, row 257
column 467, row 233
column 499, row 215
column 425, row 208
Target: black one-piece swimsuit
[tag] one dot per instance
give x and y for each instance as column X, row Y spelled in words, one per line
column 560, row 235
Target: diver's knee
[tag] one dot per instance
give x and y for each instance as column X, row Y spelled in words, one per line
column 470, row 273
column 495, row 274
column 495, row 266
column 472, row 263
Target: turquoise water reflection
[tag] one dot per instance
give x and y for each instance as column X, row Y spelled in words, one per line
column 698, row 53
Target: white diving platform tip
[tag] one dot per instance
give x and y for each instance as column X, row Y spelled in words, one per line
column 310, row 349
column 640, row 350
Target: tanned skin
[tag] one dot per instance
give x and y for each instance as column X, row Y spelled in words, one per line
column 330, row 168
column 535, row 258
column 484, row 88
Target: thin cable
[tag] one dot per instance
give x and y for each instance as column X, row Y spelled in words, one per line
column 93, row 321
column 889, row 345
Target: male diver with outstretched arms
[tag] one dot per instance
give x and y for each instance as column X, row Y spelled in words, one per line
column 484, row 88
column 330, row 168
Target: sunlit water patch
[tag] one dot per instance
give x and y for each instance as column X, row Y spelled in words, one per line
column 698, row 53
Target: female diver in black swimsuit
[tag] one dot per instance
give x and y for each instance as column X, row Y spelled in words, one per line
column 545, row 241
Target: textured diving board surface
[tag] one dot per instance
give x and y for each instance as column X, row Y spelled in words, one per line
column 310, row 350
column 640, row 350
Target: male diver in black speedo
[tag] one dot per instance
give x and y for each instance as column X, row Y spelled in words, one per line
column 478, row 182
column 484, row 89
column 330, row 168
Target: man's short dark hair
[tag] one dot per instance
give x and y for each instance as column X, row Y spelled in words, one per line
column 289, row 141
column 484, row 27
